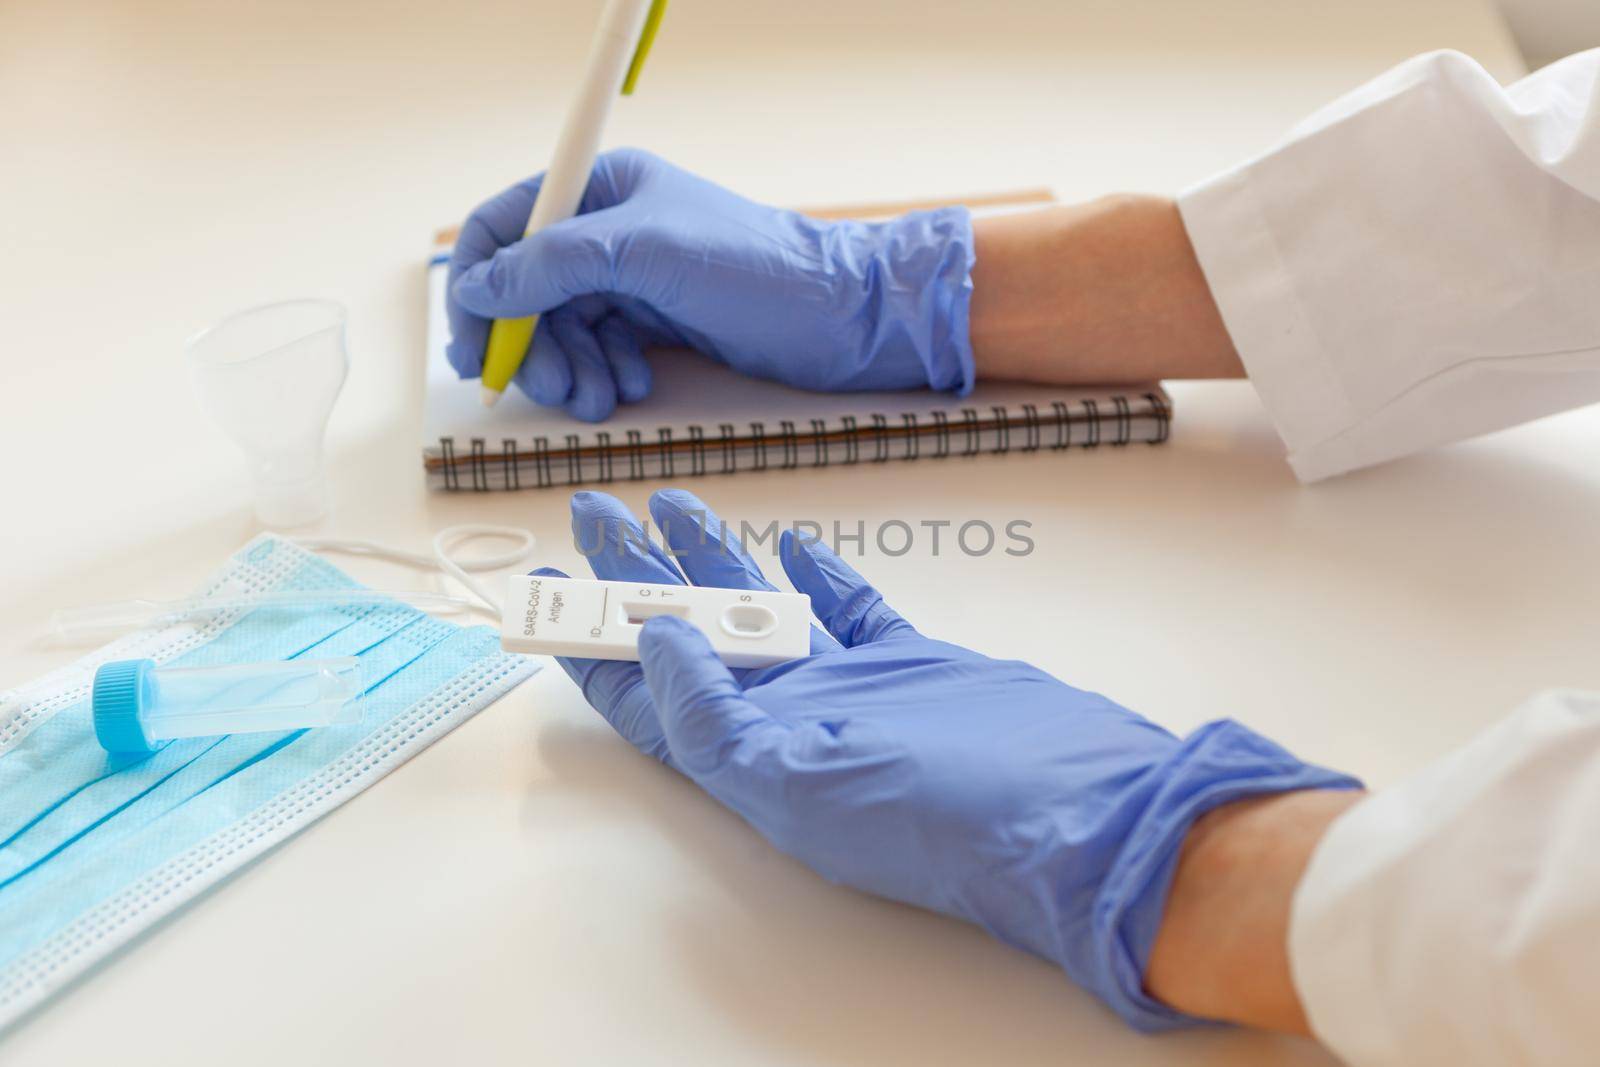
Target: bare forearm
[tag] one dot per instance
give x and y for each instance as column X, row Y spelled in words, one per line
column 1108, row 291
column 1223, row 948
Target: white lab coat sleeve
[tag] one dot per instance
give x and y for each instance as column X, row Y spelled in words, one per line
column 1455, row 918
column 1416, row 263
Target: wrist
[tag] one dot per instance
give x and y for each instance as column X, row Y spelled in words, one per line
column 1222, row 948
column 1216, row 767
column 925, row 287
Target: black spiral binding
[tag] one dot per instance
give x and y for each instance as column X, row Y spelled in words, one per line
column 1163, row 411
column 480, row 477
column 1030, row 427
column 1031, row 430
column 574, row 461
column 508, row 462
column 1002, row 432
column 447, row 452
column 1063, row 426
column 791, row 445
column 697, row 451
column 665, row 434
column 969, row 424
column 852, row 441
column 819, row 442
column 635, row 456
column 541, row 462
column 758, row 438
column 913, row 435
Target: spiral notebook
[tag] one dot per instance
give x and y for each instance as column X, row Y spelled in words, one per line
column 702, row 418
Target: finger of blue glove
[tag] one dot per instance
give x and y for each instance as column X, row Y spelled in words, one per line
column 469, row 335
column 710, row 553
column 496, row 222
column 594, row 391
column 625, row 354
column 617, row 690
column 501, row 219
column 608, row 535
column 852, row 610
column 546, row 375
column 709, row 725
column 547, row 269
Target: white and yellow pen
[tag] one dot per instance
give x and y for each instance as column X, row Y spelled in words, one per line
column 627, row 29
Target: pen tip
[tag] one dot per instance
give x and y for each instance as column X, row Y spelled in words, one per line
column 491, row 397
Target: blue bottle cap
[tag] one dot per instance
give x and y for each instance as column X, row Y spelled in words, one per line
column 121, row 689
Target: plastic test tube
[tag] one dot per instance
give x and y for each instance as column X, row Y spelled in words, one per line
column 138, row 706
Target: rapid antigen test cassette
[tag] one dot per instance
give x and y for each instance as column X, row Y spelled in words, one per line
column 601, row 620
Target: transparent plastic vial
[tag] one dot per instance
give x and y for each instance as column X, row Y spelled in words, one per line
column 138, row 706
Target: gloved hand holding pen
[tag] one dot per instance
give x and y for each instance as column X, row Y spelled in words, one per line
column 1106, row 291
column 660, row 257
column 927, row 773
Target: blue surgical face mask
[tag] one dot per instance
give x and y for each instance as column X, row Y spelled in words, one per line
column 95, row 848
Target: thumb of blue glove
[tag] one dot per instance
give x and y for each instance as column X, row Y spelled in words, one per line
column 708, row 714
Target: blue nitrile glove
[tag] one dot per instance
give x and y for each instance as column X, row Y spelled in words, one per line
column 919, row 770
column 660, row 257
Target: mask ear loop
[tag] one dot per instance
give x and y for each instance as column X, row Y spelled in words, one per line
column 441, row 559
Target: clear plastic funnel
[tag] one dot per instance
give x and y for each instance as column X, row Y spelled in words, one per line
column 269, row 377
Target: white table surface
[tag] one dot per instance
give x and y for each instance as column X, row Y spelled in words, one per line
column 531, row 890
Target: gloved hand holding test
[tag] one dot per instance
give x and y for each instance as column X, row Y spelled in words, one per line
column 909, row 767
